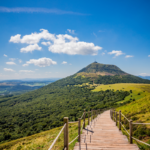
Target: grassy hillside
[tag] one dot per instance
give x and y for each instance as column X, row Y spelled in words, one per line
column 139, row 111
column 43, row 140
column 103, row 68
column 137, row 91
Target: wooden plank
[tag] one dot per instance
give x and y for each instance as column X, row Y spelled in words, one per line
column 102, row 134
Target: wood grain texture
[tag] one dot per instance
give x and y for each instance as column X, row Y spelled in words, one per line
column 102, row 134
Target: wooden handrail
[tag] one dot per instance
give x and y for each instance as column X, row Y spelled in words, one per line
column 94, row 114
column 112, row 115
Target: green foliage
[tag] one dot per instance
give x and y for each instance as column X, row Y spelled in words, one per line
column 97, row 67
column 45, row 108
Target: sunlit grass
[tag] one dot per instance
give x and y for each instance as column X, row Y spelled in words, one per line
column 43, row 140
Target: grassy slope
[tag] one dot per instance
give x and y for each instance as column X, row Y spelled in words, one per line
column 143, row 89
column 43, row 140
column 139, row 111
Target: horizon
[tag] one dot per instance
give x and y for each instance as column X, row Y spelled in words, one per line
column 56, row 39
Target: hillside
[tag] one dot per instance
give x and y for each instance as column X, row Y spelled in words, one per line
column 102, row 69
column 44, row 108
column 139, row 111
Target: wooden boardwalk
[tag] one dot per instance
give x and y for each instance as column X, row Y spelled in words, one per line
column 102, row 134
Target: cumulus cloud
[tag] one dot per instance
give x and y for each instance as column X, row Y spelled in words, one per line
column 5, row 55
column 30, row 48
column 103, row 53
column 62, row 43
column 32, row 38
column 8, row 70
column 38, row 10
column 128, row 56
column 26, row 71
column 148, row 55
column 46, row 43
column 116, row 53
column 70, row 45
column 71, row 31
column 11, row 63
column 41, row 62
column 64, row 62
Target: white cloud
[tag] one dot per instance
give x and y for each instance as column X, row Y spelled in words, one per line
column 116, row 53
column 30, row 48
column 20, row 61
column 62, row 43
column 144, row 74
column 5, row 55
column 12, row 59
column 103, row 53
column 32, row 38
column 64, row 62
column 41, row 62
column 26, row 71
column 46, row 43
column 148, row 55
column 128, row 56
column 71, row 31
column 37, row 10
column 69, row 45
column 11, row 63
column 9, row 70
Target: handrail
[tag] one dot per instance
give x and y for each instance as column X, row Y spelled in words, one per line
column 125, row 128
column 57, row 137
column 74, row 139
column 130, row 121
column 142, row 123
column 141, row 141
column 73, row 122
column 125, row 117
column 82, row 116
column 80, row 128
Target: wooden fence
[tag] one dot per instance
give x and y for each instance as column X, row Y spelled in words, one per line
column 114, row 116
column 91, row 114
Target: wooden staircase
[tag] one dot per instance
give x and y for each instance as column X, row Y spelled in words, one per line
column 102, row 134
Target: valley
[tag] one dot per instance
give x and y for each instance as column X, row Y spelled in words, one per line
column 43, row 109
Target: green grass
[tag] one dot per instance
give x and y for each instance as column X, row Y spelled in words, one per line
column 139, row 111
column 138, row 90
column 43, row 140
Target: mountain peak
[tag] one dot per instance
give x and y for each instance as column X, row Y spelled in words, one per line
column 102, row 69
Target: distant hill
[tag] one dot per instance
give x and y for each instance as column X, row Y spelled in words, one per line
column 44, row 108
column 145, row 77
column 103, row 69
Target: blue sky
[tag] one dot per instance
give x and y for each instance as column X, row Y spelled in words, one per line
column 45, row 39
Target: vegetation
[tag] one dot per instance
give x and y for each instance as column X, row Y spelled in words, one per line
column 45, row 108
column 139, row 111
column 97, row 67
column 43, row 140
column 137, row 91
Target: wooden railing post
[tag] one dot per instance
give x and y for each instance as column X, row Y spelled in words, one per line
column 66, row 138
column 119, row 119
column 79, row 128
column 84, row 120
column 130, row 124
column 88, row 117
column 116, row 117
